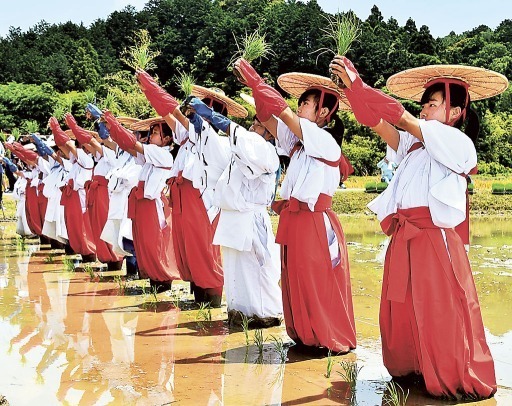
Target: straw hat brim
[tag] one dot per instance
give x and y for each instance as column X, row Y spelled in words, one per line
column 234, row 109
column 295, row 83
column 127, row 121
column 145, row 125
column 483, row 83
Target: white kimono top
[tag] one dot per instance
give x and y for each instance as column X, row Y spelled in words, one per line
column 202, row 159
column 156, row 169
column 246, row 186
column 105, row 162
column 430, row 176
column 307, row 177
column 80, row 172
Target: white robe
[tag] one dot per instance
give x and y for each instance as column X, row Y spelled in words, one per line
column 249, row 252
column 80, row 172
column 202, row 159
column 306, row 177
column 430, row 176
column 122, row 178
column 18, row 194
column 54, row 225
column 156, row 169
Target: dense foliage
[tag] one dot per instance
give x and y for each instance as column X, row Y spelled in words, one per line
column 53, row 68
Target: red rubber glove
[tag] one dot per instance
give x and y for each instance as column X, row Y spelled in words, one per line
column 121, row 136
column 267, row 99
column 159, row 99
column 25, row 154
column 82, row 136
column 368, row 104
column 59, row 136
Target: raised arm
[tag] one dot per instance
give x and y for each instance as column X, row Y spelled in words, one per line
column 373, row 108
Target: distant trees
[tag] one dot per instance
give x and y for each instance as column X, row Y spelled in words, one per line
column 51, row 68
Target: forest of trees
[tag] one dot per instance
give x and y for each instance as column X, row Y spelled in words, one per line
column 51, row 69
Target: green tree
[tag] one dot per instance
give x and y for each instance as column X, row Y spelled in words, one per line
column 84, row 70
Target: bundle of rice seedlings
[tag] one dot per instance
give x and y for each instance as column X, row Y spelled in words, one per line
column 342, row 30
column 250, row 47
column 139, row 56
column 185, row 82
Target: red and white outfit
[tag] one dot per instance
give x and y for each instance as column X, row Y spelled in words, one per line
column 200, row 161
column 121, row 180
column 36, row 201
column 98, row 202
column 73, row 199
column 19, row 190
column 430, row 318
column 315, row 279
column 151, row 216
column 249, row 253
column 54, row 221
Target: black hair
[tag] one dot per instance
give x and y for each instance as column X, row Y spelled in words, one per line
column 330, row 101
column 458, row 98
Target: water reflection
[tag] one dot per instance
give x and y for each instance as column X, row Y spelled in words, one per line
column 65, row 339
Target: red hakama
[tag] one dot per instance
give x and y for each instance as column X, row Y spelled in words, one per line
column 77, row 223
column 35, row 208
column 97, row 209
column 317, row 298
column 153, row 245
column 198, row 260
column 430, row 318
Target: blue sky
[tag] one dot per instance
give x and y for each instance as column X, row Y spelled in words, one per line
column 441, row 16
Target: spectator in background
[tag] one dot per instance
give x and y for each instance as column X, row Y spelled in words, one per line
column 387, row 169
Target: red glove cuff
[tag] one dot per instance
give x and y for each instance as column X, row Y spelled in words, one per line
column 59, row 136
column 268, row 101
column 159, row 99
column 82, row 136
column 123, row 137
column 252, row 77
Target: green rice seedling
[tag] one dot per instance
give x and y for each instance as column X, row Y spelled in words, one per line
column 245, row 325
column 31, row 126
column 50, row 258
column 330, row 364
column 90, row 271
column 69, row 265
column 16, row 133
column 341, row 30
column 350, row 372
column 204, row 313
column 121, row 285
column 251, row 47
column 139, row 55
column 185, row 82
column 21, row 243
column 394, row 395
column 259, row 340
column 280, row 348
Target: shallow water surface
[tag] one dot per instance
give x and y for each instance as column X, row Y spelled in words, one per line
column 74, row 338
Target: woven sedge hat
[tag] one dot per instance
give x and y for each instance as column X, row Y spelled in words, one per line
column 482, row 83
column 127, row 121
column 234, row 109
column 145, row 125
column 296, row 83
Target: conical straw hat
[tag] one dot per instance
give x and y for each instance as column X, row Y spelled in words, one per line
column 234, row 109
column 296, row 83
column 145, row 125
column 411, row 83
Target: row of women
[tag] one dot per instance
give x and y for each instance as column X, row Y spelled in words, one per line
column 220, row 187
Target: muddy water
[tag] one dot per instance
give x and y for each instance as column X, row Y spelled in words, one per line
column 74, row 338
